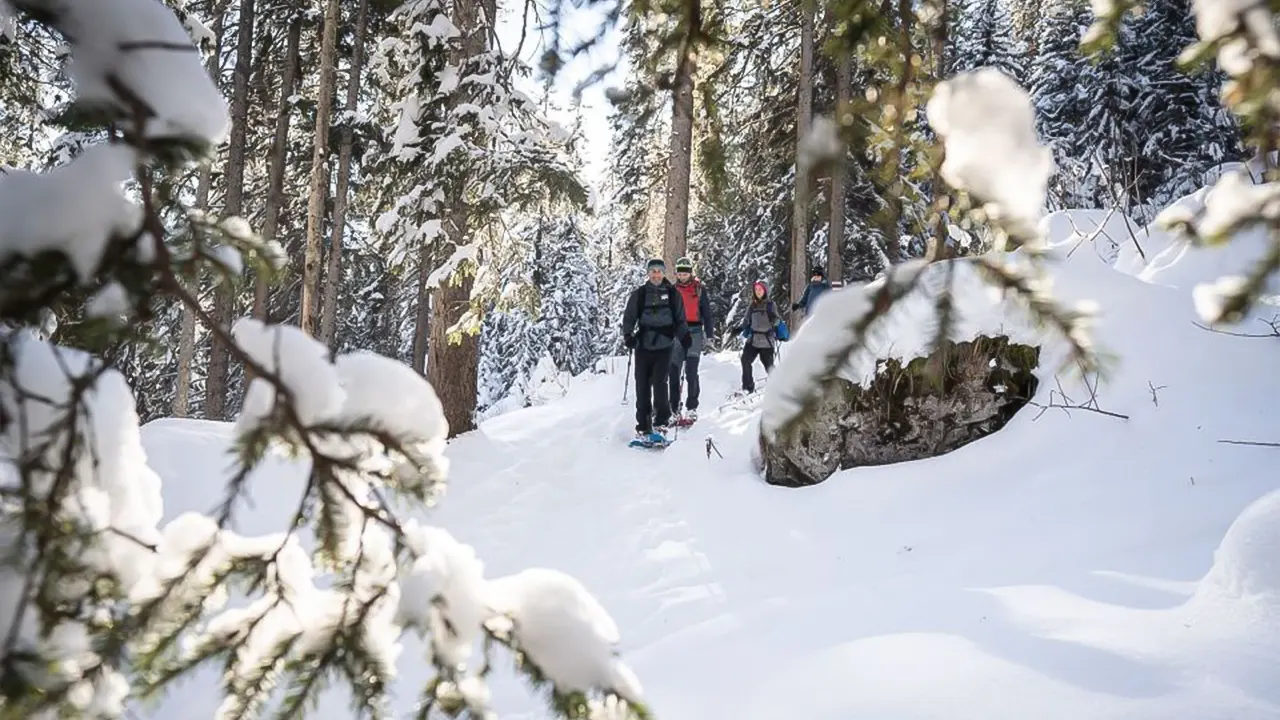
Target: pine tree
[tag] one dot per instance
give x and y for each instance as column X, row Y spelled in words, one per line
column 1061, row 102
column 983, row 36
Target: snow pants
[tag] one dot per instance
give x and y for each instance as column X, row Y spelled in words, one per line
column 653, row 406
column 688, row 361
column 749, row 355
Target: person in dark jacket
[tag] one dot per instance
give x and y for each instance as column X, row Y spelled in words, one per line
column 697, row 314
column 761, row 332
column 654, row 322
column 817, row 286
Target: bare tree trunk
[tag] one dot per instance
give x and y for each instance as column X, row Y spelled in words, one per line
column 319, row 176
column 676, row 224
column 333, row 276
column 187, row 330
column 276, row 163
column 804, row 121
column 215, row 389
column 839, row 170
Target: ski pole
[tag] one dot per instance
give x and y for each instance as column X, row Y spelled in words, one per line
column 627, row 383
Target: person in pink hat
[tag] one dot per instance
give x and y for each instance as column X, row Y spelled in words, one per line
column 761, row 332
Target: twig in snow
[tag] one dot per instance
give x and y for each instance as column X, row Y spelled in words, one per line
column 1066, row 405
column 1273, row 323
column 711, row 446
column 1253, row 443
column 1155, row 399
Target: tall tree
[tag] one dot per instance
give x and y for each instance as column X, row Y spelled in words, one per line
column 216, row 387
column 333, row 274
column 319, row 189
column 187, row 326
column 680, row 157
column 289, row 72
column 799, row 256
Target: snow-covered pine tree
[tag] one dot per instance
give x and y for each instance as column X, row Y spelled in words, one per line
column 1181, row 128
column 103, row 606
column 983, row 36
column 1061, row 102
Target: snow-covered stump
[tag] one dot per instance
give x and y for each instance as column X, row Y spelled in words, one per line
column 909, row 410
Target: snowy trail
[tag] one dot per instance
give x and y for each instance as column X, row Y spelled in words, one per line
column 604, row 512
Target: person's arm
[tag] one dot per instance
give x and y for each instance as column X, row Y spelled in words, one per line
column 803, row 302
column 631, row 315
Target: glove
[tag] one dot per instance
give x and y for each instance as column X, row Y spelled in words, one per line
column 629, row 340
column 686, row 340
column 746, row 332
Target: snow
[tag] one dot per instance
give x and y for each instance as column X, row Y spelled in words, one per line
column 8, row 21
column 1073, row 565
column 141, row 45
column 982, row 115
column 822, row 143
column 90, row 184
column 1221, row 19
column 111, row 302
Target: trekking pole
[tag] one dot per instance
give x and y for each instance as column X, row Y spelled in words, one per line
column 627, row 383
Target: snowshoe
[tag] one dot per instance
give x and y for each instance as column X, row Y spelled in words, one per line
column 655, row 440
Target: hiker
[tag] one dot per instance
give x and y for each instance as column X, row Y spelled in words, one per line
column 761, row 332
column 654, row 322
column 817, row 286
column 697, row 315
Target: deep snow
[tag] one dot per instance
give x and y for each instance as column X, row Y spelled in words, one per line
column 1075, row 565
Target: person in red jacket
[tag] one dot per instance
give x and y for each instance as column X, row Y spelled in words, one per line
column 697, row 313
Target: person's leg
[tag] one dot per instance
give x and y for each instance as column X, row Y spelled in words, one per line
column 766, row 357
column 677, row 359
column 644, row 396
column 691, row 378
column 748, row 357
column 661, row 399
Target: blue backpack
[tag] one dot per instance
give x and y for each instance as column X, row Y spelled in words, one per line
column 783, row 333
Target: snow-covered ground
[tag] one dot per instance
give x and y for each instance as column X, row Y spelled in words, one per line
column 1075, row 565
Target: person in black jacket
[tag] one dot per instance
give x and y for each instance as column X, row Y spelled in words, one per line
column 653, row 323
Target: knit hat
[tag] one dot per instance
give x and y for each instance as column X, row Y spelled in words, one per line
column 684, row 264
column 656, row 263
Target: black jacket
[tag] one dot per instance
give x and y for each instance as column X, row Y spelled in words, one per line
column 655, row 315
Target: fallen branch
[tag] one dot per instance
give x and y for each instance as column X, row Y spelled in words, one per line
column 1067, row 404
column 1253, row 443
column 1273, row 323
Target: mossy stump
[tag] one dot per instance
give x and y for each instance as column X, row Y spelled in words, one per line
column 928, row 407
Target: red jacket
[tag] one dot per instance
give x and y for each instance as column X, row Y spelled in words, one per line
column 691, row 293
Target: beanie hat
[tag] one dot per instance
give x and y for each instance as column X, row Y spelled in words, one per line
column 684, row 264
column 656, row 263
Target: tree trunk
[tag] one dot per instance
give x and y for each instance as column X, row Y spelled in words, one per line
column 902, row 100
column 839, row 171
column 676, row 224
column 187, row 330
column 276, row 163
column 938, row 247
column 215, row 389
column 804, row 121
column 422, row 321
column 452, row 366
column 319, row 176
column 333, row 276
